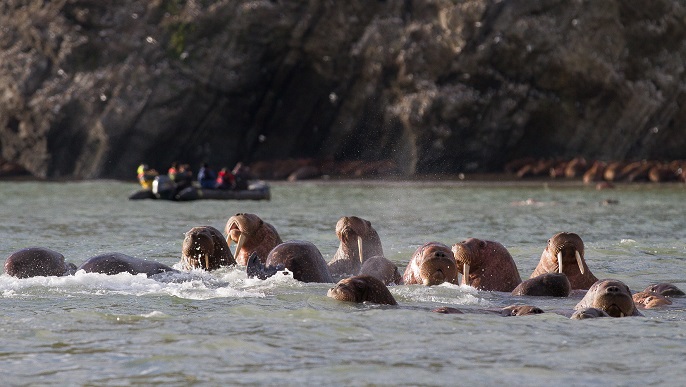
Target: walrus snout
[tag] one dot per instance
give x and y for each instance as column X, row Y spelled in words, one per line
column 437, row 270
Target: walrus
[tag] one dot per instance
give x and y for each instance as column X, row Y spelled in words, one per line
column 114, row 263
column 358, row 241
column 665, row 289
column 383, row 269
column 520, row 310
column 250, row 233
column 649, row 300
column 432, row 264
column 37, row 261
column 362, row 288
column 204, row 247
column 585, row 313
column 301, row 258
column 545, row 285
column 486, row 265
column 565, row 254
column 512, row 310
column 611, row 296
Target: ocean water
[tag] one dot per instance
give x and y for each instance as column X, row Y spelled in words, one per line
column 222, row 328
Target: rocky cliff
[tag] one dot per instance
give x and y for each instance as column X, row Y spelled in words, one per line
column 91, row 88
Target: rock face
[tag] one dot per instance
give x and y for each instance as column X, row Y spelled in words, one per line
column 92, row 88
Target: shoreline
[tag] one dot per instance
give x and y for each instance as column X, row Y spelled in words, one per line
column 470, row 180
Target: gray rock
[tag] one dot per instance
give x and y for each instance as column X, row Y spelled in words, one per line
column 93, row 88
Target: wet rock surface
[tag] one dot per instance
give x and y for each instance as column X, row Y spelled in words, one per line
column 93, row 88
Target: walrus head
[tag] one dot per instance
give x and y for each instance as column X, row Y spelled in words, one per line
column 198, row 247
column 568, row 249
column 205, row 247
column 464, row 256
column 435, row 264
column 362, row 288
column 358, row 238
column 37, row 261
column 650, row 300
column 249, row 231
column 611, row 296
column 665, row 289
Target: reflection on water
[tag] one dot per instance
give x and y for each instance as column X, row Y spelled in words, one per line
column 223, row 328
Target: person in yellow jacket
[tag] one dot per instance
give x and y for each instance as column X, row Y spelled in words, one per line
column 146, row 176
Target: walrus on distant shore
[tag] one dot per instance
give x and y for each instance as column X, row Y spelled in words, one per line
column 565, row 254
column 486, row 265
column 432, row 264
column 358, row 241
column 383, row 269
column 251, row 234
column 301, row 258
column 115, row 263
column 204, row 247
column 37, row 261
column 545, row 285
column 362, row 288
column 611, row 296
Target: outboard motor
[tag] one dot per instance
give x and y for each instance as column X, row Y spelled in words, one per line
column 163, row 187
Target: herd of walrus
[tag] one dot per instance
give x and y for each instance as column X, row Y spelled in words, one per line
column 364, row 273
column 599, row 170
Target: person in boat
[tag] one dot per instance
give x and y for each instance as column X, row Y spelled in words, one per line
column 184, row 177
column 225, row 179
column 206, row 177
column 146, row 176
column 173, row 171
column 241, row 174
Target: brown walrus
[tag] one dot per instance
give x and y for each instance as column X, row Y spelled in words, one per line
column 37, row 261
column 251, row 234
column 611, row 296
column 382, row 269
column 545, row 285
column 432, row 264
column 585, row 313
column 665, row 289
column 301, row 258
column 565, row 254
column 649, row 300
column 114, row 263
column 512, row 310
column 486, row 265
column 204, row 247
column 362, row 288
column 358, row 241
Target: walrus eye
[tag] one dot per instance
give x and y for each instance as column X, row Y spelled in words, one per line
column 482, row 244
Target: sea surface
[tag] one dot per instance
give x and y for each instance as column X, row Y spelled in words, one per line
column 222, row 328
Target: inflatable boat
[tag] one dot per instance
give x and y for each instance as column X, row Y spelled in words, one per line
column 165, row 189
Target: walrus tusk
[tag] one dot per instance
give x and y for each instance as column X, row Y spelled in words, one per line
column 579, row 261
column 359, row 248
column 621, row 314
column 239, row 245
column 559, row 261
column 465, row 276
column 207, row 262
